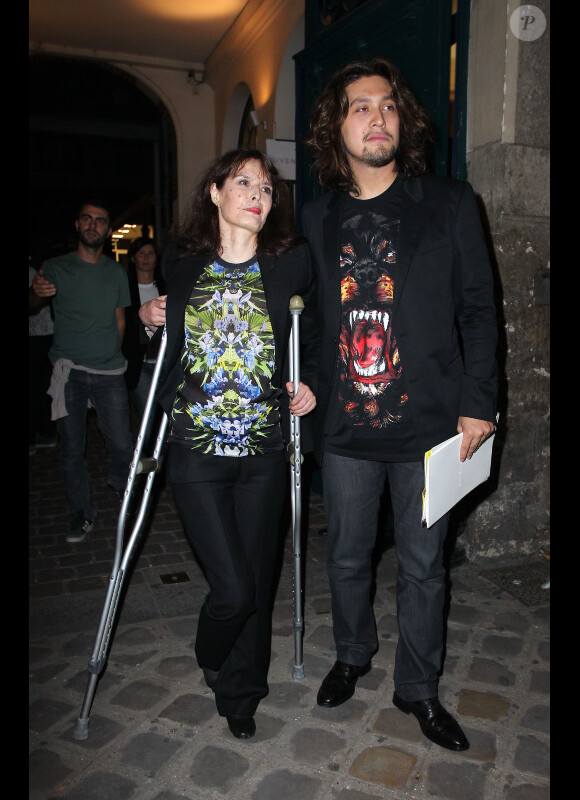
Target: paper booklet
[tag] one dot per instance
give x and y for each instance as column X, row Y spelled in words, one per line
column 447, row 479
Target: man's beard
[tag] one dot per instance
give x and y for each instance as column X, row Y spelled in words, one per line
column 93, row 244
column 375, row 158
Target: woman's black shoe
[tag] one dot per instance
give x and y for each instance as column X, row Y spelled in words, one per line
column 242, row 727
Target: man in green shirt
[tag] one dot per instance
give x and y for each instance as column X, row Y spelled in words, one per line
column 89, row 294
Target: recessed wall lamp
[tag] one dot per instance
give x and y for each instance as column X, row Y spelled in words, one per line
column 256, row 120
column 195, row 76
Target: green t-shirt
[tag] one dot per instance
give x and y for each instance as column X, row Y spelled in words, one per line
column 85, row 320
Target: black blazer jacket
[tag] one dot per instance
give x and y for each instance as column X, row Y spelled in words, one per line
column 446, row 291
column 136, row 340
column 283, row 276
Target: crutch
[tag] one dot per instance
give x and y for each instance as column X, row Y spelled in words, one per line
column 296, row 308
column 138, row 465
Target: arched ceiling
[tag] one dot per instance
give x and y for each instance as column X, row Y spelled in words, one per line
column 184, row 31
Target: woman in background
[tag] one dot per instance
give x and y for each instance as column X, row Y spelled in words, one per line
column 145, row 283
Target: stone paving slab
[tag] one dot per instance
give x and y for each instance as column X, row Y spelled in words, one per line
column 154, row 733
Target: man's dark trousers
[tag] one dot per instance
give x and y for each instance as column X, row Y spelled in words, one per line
column 352, row 490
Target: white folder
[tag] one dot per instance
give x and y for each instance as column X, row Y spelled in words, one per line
column 447, row 479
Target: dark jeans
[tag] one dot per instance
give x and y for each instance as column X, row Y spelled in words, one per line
column 108, row 395
column 230, row 508
column 352, row 495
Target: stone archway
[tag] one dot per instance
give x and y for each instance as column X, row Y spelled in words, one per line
column 234, row 119
column 94, row 131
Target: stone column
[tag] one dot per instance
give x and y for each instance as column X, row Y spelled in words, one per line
column 508, row 165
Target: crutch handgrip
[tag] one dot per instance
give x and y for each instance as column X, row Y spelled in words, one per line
column 147, row 465
column 296, row 304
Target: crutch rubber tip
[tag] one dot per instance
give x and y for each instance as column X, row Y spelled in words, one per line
column 81, row 730
column 298, row 672
column 296, row 303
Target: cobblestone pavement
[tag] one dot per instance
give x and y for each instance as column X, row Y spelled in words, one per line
column 154, row 733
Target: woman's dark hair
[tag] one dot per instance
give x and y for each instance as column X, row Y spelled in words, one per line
column 416, row 129
column 199, row 232
column 138, row 244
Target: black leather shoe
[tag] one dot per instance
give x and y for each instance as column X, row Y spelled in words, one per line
column 436, row 723
column 242, row 727
column 339, row 684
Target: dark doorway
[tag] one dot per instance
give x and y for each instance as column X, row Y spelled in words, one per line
column 94, row 133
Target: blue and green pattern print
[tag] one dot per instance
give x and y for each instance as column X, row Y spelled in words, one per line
column 229, row 346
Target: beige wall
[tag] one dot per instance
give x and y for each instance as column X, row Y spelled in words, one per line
column 247, row 61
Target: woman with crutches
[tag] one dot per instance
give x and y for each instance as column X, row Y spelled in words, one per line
column 231, row 270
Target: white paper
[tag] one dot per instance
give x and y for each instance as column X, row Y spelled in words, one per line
column 447, row 479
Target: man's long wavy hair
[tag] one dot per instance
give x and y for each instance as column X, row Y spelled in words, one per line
column 416, row 129
column 199, row 232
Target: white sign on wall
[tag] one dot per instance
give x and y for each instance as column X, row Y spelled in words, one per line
column 283, row 154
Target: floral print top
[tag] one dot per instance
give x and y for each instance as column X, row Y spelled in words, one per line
column 226, row 404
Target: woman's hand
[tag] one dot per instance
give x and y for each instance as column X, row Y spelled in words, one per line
column 304, row 402
column 152, row 313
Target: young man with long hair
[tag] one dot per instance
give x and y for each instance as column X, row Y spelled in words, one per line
column 402, row 274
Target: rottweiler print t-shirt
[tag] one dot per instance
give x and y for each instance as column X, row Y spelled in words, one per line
column 370, row 414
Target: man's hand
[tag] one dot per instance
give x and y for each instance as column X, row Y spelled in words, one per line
column 304, row 402
column 475, row 432
column 152, row 313
column 42, row 287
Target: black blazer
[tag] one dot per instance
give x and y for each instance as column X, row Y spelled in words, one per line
column 446, row 288
column 135, row 340
column 283, row 276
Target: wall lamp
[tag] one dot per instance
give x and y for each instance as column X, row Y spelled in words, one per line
column 195, row 76
column 256, row 120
